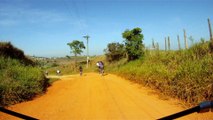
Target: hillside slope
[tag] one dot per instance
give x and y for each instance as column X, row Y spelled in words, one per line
column 20, row 79
column 184, row 74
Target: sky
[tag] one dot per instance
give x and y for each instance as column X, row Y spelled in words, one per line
column 44, row 27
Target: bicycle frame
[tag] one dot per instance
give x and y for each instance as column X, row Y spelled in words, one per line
column 205, row 106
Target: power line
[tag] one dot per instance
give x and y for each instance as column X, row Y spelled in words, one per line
column 76, row 10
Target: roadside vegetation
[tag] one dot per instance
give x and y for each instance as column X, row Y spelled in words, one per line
column 183, row 74
column 20, row 78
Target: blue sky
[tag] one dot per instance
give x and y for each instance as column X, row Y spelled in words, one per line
column 44, row 27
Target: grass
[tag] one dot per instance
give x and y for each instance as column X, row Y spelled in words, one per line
column 185, row 74
column 19, row 80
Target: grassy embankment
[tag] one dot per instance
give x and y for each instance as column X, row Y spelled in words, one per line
column 185, row 74
column 20, row 79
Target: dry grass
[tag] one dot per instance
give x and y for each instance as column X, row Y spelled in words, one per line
column 186, row 75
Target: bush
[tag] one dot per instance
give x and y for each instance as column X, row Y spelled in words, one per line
column 114, row 52
column 19, row 83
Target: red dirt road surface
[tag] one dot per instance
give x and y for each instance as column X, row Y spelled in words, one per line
column 96, row 97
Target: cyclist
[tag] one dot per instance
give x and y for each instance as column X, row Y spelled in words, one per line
column 58, row 72
column 81, row 70
column 101, row 67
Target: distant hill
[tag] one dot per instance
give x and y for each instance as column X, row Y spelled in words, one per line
column 8, row 50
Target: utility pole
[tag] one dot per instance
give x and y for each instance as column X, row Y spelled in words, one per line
column 87, row 38
column 210, row 30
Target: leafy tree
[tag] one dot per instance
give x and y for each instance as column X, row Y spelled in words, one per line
column 114, row 51
column 76, row 47
column 133, row 43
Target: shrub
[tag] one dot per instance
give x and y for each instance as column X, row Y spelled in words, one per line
column 114, row 52
column 20, row 79
column 19, row 83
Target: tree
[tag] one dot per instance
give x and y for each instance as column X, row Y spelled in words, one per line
column 114, row 51
column 133, row 43
column 76, row 47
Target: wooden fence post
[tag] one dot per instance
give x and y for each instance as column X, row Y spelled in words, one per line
column 178, row 38
column 168, row 43
column 165, row 45
column 185, row 40
column 153, row 44
column 157, row 45
column 210, row 30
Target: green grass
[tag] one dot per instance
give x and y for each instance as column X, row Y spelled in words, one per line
column 19, row 82
column 185, row 74
column 20, row 78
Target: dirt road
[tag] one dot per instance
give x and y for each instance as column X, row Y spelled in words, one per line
column 95, row 97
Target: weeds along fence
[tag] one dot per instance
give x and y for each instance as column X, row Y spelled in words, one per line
column 185, row 74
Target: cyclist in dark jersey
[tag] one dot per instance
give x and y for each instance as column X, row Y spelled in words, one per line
column 81, row 70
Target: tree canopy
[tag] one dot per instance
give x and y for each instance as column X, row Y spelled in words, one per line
column 114, row 51
column 76, row 47
column 133, row 43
